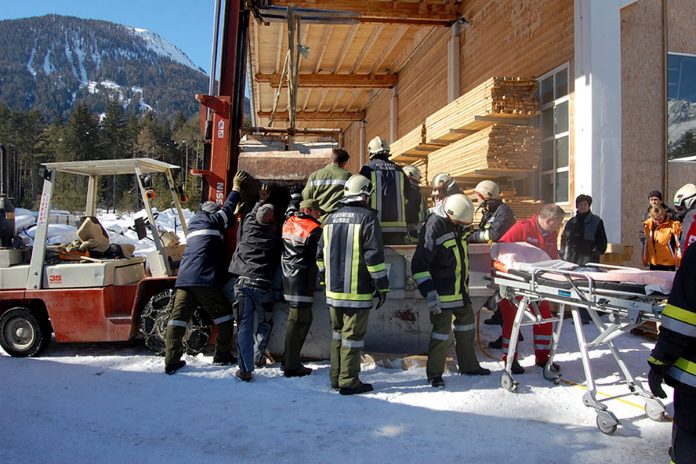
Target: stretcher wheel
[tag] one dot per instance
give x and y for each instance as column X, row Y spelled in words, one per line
column 551, row 373
column 655, row 409
column 607, row 422
column 507, row 383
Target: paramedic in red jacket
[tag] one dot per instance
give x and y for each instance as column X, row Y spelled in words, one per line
column 542, row 232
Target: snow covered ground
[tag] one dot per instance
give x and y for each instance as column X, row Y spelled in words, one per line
column 112, row 403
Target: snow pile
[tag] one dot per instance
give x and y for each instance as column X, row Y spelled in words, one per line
column 163, row 47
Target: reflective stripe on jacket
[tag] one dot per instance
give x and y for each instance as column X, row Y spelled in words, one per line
column 352, row 256
column 391, row 187
column 326, row 186
column 202, row 264
column 676, row 344
column 301, row 235
column 441, row 262
column 497, row 219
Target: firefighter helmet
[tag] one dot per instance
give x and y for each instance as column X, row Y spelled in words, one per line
column 685, row 196
column 412, row 173
column 357, row 187
column 377, row 146
column 487, row 190
column 441, row 183
column 459, row 208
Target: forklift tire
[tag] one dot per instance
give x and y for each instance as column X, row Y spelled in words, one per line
column 22, row 334
column 154, row 320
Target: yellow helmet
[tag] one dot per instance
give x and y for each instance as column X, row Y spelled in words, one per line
column 357, row 187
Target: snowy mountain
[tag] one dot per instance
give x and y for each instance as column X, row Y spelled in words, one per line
column 48, row 63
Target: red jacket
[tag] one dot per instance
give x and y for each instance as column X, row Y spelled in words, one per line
column 528, row 230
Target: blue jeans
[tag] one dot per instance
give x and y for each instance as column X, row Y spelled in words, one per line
column 249, row 300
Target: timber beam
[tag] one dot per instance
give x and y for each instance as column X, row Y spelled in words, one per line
column 367, row 81
column 316, row 115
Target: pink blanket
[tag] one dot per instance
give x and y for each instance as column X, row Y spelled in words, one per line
column 526, row 257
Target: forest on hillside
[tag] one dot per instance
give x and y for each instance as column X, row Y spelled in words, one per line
column 30, row 140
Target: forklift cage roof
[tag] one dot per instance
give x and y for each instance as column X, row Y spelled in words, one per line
column 111, row 167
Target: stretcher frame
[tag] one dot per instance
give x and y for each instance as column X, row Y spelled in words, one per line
column 576, row 290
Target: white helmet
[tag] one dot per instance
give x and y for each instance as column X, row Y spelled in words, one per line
column 412, row 173
column 459, row 208
column 685, row 196
column 377, row 146
column 441, row 183
column 487, row 190
column 357, row 187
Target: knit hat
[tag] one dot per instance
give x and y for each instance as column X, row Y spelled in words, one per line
column 656, row 194
column 264, row 215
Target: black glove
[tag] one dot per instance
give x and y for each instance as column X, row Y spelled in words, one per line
column 655, row 378
column 381, row 298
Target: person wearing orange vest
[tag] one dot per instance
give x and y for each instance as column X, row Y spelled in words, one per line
column 301, row 234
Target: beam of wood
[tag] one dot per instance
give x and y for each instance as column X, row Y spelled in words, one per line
column 336, row 81
column 393, row 11
column 316, row 115
column 282, row 33
column 337, row 99
column 347, row 43
column 369, row 43
column 386, row 51
column 326, row 39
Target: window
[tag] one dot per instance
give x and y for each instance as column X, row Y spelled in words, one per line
column 555, row 136
column 681, row 105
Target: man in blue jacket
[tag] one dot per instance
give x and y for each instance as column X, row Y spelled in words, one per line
column 200, row 280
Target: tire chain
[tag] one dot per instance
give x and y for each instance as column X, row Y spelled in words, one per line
column 154, row 319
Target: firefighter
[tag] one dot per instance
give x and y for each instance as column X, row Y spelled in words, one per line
column 443, row 186
column 685, row 203
column 416, row 208
column 440, row 266
column 391, row 191
column 326, row 185
column 199, row 280
column 542, row 232
column 674, row 359
column 496, row 220
column 350, row 259
column 301, row 234
column 253, row 265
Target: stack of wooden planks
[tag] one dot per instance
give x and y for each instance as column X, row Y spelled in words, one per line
column 495, row 149
column 496, row 99
column 412, row 147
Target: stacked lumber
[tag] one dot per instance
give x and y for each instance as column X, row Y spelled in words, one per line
column 501, row 98
column 412, row 147
column 494, row 150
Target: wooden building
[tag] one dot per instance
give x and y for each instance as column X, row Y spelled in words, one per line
column 424, row 76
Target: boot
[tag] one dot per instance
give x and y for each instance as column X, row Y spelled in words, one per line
column 243, row 375
column 479, row 371
column 496, row 344
column 297, row 372
column 437, row 382
column 516, row 368
column 171, row 368
column 495, row 319
column 224, row 359
column 361, row 388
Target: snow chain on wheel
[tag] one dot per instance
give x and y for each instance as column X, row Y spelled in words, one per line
column 154, row 319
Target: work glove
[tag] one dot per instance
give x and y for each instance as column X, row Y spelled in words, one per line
column 381, row 298
column 433, row 303
column 655, row 377
column 239, row 178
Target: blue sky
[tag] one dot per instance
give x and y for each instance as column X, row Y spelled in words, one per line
column 188, row 24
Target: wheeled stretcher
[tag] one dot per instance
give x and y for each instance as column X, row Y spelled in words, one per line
column 628, row 296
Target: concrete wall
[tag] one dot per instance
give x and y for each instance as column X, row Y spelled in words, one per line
column 649, row 28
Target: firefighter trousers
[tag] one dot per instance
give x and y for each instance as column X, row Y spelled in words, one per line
column 542, row 332
column 186, row 300
column 462, row 321
column 299, row 322
column 349, row 327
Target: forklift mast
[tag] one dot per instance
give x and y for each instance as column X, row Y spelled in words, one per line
column 222, row 112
